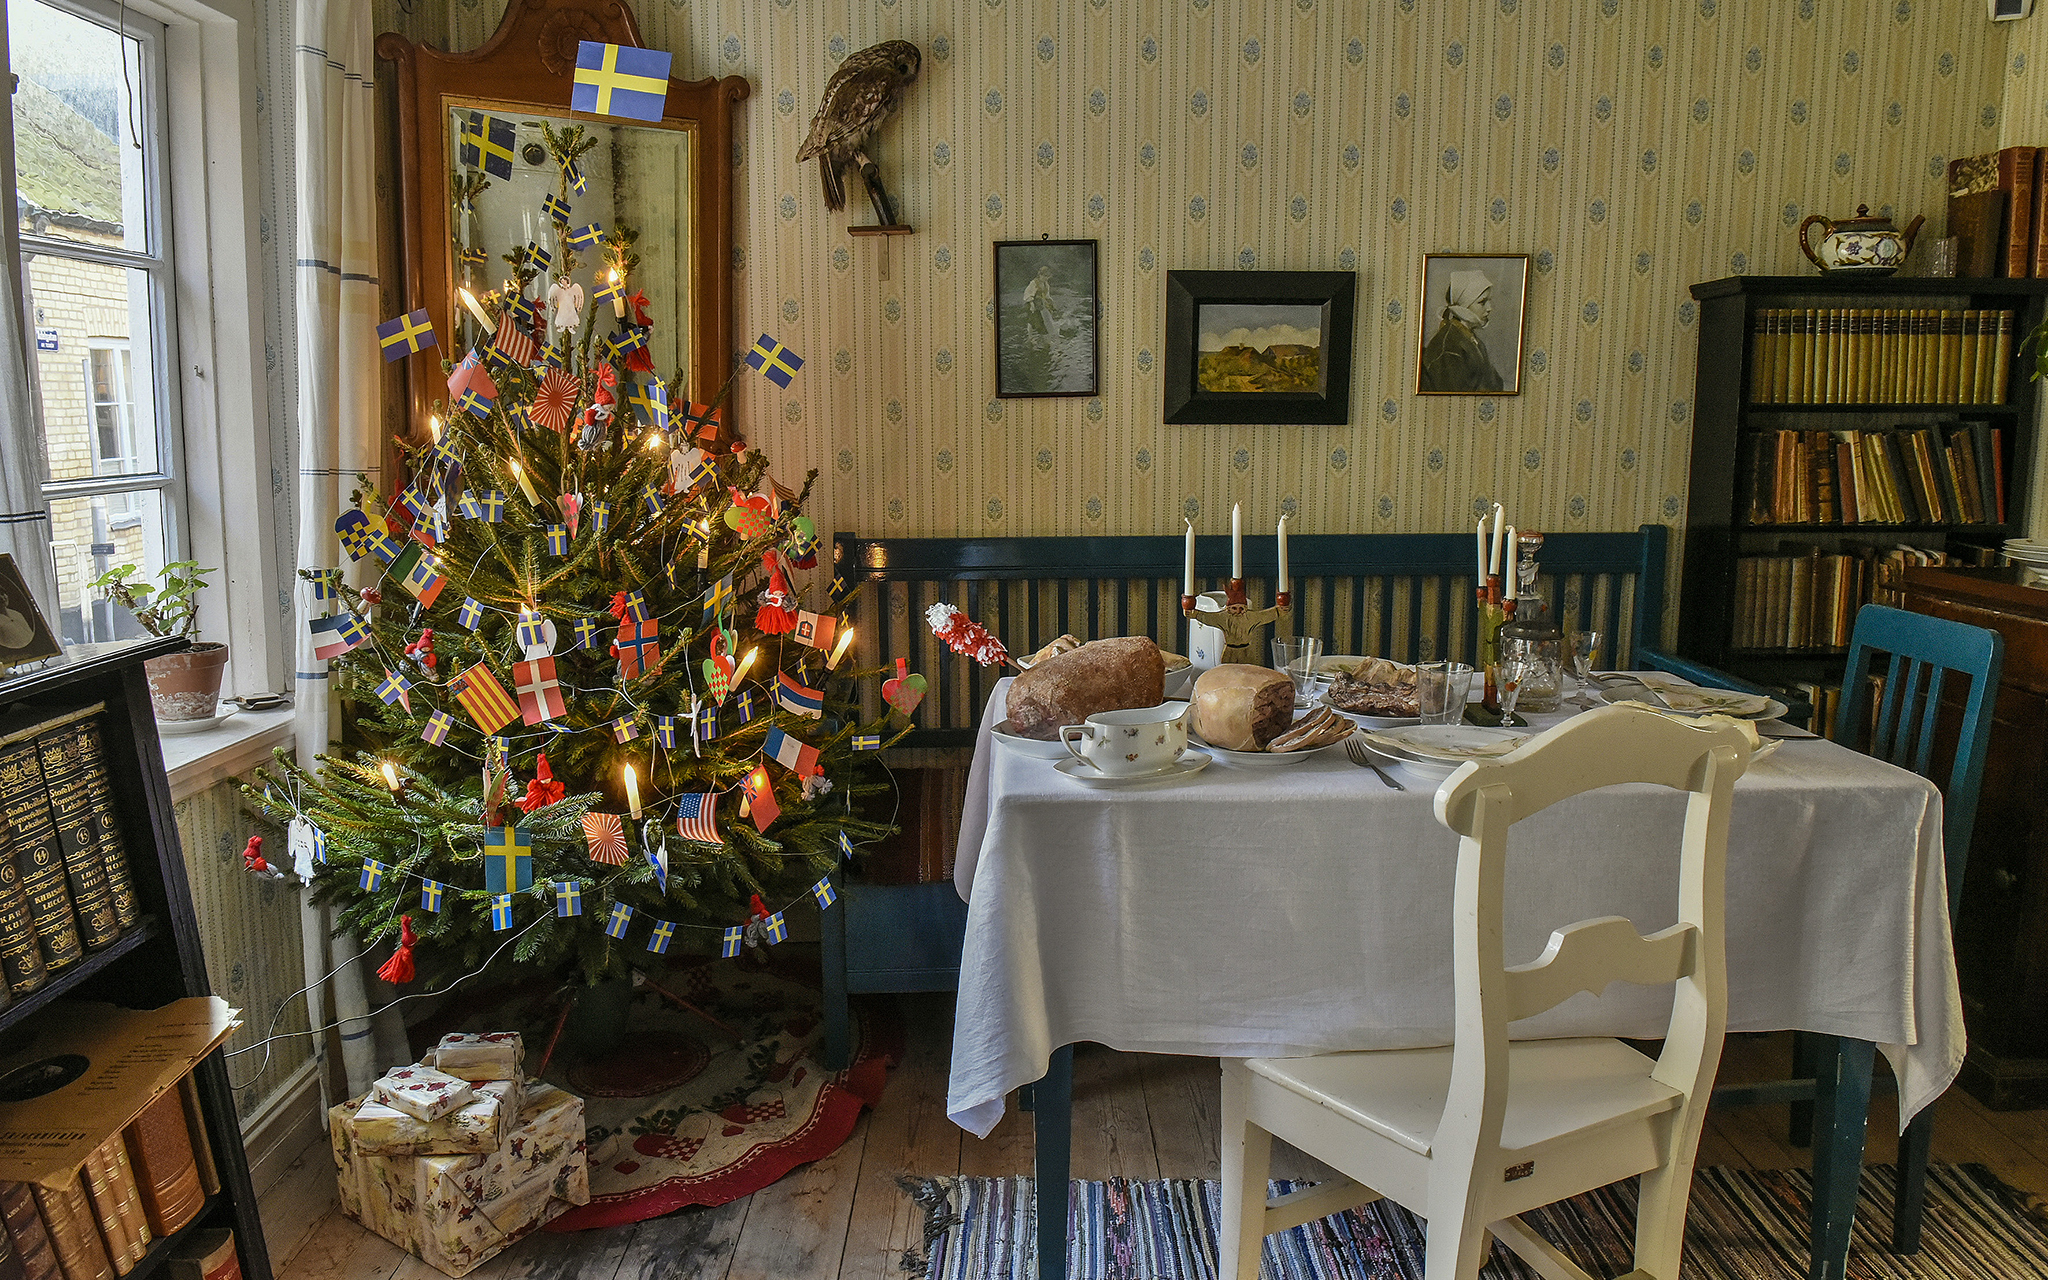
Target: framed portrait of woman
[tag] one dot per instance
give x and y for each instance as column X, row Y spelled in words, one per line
column 1470, row 339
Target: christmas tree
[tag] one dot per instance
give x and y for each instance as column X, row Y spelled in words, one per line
column 586, row 706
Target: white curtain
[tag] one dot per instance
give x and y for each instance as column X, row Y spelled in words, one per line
column 24, row 516
column 338, row 412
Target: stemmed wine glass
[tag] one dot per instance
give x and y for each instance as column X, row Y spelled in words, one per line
column 1584, row 645
column 1514, row 668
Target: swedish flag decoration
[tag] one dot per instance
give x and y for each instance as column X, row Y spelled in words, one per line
column 663, row 931
column 473, row 257
column 651, row 399
column 568, row 898
column 585, row 630
column 556, row 208
column 867, row 742
column 846, row 846
column 626, row 341
column 707, row 722
column 492, row 501
column 577, row 183
column 471, row 614
column 608, row 289
column 437, row 728
column 501, row 913
column 651, row 495
column 467, row 505
column 430, row 894
column 615, row 80
column 487, row 141
column 778, row 929
column 600, row 517
column 729, row 944
column 716, row 598
column 532, row 629
column 588, row 236
column 558, row 540
column 406, row 335
column 538, row 257
column 476, row 402
column 373, row 875
column 665, row 731
column 776, row 362
column 622, row 915
column 824, row 893
column 326, row 583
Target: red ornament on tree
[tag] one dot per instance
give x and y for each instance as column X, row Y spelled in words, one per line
column 775, row 616
column 544, row 790
column 398, row 969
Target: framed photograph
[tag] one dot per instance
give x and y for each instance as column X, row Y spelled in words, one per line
column 1470, row 341
column 24, row 635
column 1259, row 346
column 1047, row 340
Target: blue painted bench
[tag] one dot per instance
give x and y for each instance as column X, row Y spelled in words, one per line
column 1405, row 596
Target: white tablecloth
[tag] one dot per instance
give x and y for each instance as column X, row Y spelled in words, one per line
column 1307, row 908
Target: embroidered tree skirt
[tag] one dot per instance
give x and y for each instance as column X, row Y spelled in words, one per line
column 680, row 1113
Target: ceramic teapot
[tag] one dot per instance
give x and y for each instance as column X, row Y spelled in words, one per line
column 1864, row 244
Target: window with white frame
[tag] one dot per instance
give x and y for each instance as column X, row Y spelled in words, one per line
column 92, row 203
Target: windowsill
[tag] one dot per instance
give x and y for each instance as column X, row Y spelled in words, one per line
column 230, row 749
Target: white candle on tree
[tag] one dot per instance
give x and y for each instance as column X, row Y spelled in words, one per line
column 1188, row 574
column 475, row 308
column 1282, row 538
column 1236, row 541
column 632, row 791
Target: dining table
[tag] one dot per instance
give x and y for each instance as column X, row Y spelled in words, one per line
column 1282, row 909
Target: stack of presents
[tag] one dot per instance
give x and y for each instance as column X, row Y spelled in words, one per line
column 457, row 1157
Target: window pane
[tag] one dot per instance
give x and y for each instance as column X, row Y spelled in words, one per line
column 76, row 121
column 92, row 535
column 93, row 367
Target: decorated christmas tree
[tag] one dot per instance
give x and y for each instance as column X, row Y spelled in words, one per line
column 587, row 708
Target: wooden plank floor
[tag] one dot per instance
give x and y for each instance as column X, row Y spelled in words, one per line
column 1135, row 1116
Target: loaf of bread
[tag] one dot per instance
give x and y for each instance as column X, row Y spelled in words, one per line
column 1103, row 675
column 1242, row 708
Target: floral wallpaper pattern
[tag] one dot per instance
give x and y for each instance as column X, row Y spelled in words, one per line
column 1631, row 148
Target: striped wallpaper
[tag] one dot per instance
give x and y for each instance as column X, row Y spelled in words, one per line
column 1632, row 148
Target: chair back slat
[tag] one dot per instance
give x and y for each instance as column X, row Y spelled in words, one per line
column 1402, row 596
column 1915, row 644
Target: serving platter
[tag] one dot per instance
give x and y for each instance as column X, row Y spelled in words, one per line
column 1695, row 700
column 1036, row 748
column 1269, row 759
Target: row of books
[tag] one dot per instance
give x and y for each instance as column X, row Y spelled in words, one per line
column 1881, row 356
column 1805, row 597
column 1937, row 474
column 145, row 1183
column 65, row 886
column 1997, row 213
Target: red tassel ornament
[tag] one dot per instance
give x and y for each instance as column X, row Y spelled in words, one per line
column 775, row 616
column 398, row 969
column 544, row 790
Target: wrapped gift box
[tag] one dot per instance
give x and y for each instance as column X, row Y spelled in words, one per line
column 422, row 1092
column 480, row 1055
column 476, row 1128
column 457, row 1211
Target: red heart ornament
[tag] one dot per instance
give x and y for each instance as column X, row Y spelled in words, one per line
column 906, row 690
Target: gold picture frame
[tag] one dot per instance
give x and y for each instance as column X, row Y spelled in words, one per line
column 1467, row 304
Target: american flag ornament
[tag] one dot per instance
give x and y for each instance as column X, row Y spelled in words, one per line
column 501, row 913
column 373, row 875
column 622, row 915
column 586, row 632
column 697, row 817
column 558, row 540
column 663, row 931
column 540, row 692
column 556, row 208
column 437, row 728
column 638, row 646
column 625, row 729
column 778, row 928
column 554, row 400
column 514, row 341
column 430, row 894
column 729, row 943
column 493, row 503
column 471, row 614
column 605, row 833
column 665, row 731
column 568, row 898
column 395, row 689
column 468, row 506
column 824, row 893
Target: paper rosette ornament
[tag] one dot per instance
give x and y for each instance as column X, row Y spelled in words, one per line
column 554, row 401
column 963, row 634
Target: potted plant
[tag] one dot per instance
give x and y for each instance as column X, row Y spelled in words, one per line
column 182, row 686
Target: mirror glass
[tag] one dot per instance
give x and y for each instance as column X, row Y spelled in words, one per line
column 636, row 175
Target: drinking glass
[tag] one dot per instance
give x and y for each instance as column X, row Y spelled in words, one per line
column 1543, row 679
column 1297, row 656
column 1584, row 645
column 1440, row 691
column 1514, row 669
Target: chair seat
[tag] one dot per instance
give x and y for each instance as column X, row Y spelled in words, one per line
column 1556, row 1087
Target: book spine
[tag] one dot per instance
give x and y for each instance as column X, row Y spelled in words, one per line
column 2001, row 372
column 1760, row 330
column 195, row 1126
column 159, row 1152
column 1781, row 353
column 2037, row 264
column 1998, row 461
column 128, row 1198
column 67, row 1215
column 27, row 814
column 1845, row 479
column 1949, row 359
column 1980, row 447
column 1800, row 358
column 106, row 1210
column 21, row 960
column 78, row 836
column 113, row 849
column 25, row 1229
column 1866, row 360
column 1987, row 348
column 2016, row 174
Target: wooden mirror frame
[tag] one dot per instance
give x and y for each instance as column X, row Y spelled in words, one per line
column 532, row 52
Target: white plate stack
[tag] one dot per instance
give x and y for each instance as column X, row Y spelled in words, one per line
column 2031, row 555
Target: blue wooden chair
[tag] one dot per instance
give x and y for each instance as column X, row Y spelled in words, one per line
column 1911, row 655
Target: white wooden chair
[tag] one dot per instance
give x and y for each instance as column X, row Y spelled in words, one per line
column 1469, row 1135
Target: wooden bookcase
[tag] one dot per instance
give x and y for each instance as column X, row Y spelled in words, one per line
column 160, row 960
column 1727, row 412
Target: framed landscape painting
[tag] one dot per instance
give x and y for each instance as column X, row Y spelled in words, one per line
column 1471, row 312
column 1259, row 346
column 1047, row 341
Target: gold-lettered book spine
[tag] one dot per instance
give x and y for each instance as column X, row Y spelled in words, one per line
column 78, row 835
column 21, row 961
column 113, row 849
column 27, row 812
column 67, row 1216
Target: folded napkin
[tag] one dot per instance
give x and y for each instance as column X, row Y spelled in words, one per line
column 421, row 1092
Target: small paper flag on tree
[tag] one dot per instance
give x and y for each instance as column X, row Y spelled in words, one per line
column 638, row 647
column 540, row 693
column 777, row 928
column 471, row 373
column 336, row 635
column 508, row 860
column 824, row 893
column 501, row 913
column 514, row 341
column 556, row 208
column 471, row 614
column 437, row 728
column 568, row 898
column 486, row 142
column 659, row 940
column 430, row 894
column 625, row 729
column 621, row 916
column 697, row 817
column 606, row 835
column 588, row 236
column 619, row 80
column 730, row 942
column 372, row 878
column 554, row 400
column 395, row 689
column 760, row 794
column 484, row 698
column 405, row 335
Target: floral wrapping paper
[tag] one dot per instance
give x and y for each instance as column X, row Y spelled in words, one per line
column 457, row 1211
column 473, row 1129
column 422, row 1092
column 485, row 1055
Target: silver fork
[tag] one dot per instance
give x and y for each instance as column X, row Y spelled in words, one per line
column 1650, row 693
column 1356, row 750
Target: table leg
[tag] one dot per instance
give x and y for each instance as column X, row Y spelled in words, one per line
column 1841, row 1112
column 1052, row 1112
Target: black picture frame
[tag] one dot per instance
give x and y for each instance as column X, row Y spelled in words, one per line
column 1052, row 346
column 25, row 635
column 1326, row 399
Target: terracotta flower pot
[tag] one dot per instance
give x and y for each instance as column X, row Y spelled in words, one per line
column 186, row 686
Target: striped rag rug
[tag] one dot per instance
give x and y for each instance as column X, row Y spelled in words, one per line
column 1743, row 1225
